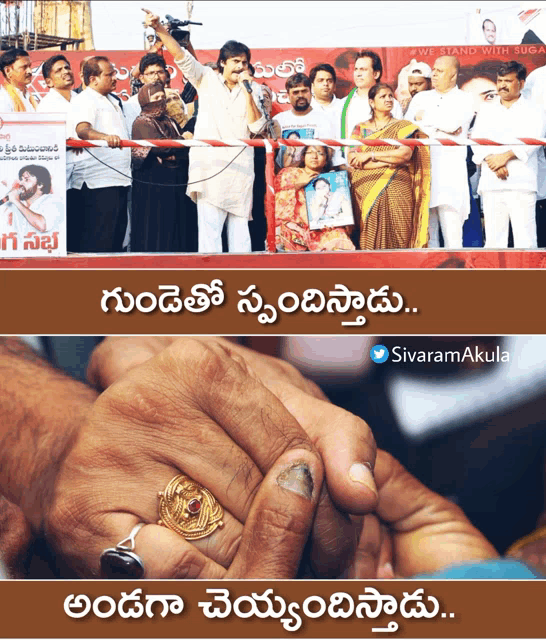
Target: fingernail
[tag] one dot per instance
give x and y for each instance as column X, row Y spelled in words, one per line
column 362, row 473
column 386, row 572
column 297, row 478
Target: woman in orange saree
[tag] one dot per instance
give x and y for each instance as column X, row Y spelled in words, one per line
column 390, row 185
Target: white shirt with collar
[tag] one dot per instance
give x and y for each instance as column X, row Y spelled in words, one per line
column 521, row 120
column 222, row 115
column 332, row 111
column 55, row 102
column 104, row 114
column 6, row 103
column 444, row 112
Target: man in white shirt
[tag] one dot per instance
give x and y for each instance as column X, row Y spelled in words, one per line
column 445, row 111
column 302, row 121
column 508, row 181
column 368, row 70
column 221, row 180
column 59, row 77
column 17, row 71
column 323, row 85
column 105, row 178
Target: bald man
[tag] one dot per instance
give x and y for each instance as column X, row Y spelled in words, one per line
column 445, row 111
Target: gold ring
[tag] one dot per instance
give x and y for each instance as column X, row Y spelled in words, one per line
column 189, row 509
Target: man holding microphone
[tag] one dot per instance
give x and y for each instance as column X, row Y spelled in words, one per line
column 220, row 180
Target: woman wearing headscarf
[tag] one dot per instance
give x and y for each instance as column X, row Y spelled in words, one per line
column 157, row 218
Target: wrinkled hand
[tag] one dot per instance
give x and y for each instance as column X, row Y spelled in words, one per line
column 415, row 530
column 199, row 407
column 344, row 442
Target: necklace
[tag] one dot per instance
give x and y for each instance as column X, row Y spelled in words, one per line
column 376, row 128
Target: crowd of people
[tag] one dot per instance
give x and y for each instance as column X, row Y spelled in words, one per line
column 207, row 200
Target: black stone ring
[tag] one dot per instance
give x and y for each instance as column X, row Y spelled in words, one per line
column 121, row 562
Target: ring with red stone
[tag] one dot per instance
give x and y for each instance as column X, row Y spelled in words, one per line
column 122, row 561
column 189, row 509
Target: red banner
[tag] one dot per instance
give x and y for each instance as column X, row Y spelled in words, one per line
column 274, row 66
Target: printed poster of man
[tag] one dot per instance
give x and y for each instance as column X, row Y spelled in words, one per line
column 329, row 201
column 496, row 26
column 292, row 156
column 32, row 185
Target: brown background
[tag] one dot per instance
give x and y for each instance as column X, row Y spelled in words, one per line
column 449, row 302
column 482, row 610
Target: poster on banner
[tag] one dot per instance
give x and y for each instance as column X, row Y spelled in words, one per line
column 329, row 201
column 32, row 185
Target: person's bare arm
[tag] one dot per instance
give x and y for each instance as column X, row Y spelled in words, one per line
column 170, row 43
column 41, row 410
column 34, row 219
column 86, row 132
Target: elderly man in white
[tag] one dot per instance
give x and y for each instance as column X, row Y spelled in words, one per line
column 508, row 182
column 220, row 180
column 445, row 111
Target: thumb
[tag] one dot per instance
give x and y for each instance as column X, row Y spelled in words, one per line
column 429, row 531
column 280, row 519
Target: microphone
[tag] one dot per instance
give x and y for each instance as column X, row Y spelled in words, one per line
column 6, row 197
column 247, row 86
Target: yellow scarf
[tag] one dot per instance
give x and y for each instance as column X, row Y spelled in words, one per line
column 17, row 102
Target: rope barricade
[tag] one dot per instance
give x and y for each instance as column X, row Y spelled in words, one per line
column 272, row 145
column 376, row 142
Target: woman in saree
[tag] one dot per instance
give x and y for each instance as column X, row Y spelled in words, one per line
column 390, row 185
column 158, row 209
column 291, row 217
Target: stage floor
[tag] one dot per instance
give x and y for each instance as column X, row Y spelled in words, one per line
column 401, row 259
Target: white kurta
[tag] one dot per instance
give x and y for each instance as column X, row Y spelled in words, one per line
column 445, row 112
column 54, row 102
column 331, row 111
column 47, row 205
column 521, row 120
column 222, row 115
column 535, row 91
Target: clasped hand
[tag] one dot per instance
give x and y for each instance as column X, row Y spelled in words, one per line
column 240, row 424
